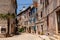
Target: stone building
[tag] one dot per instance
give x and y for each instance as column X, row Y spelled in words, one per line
column 27, row 19
column 48, row 17
column 32, row 19
column 7, row 24
column 23, row 19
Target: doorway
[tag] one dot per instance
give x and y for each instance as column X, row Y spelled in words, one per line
column 12, row 29
column 58, row 20
column 29, row 29
column 42, row 29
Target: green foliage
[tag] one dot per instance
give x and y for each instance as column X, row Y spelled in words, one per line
column 21, row 30
column 5, row 16
column 13, row 16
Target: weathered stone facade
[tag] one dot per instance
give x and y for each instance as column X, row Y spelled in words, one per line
column 47, row 15
column 47, row 18
column 23, row 19
column 27, row 19
column 7, row 7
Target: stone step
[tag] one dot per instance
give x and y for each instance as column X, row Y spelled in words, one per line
column 2, row 36
column 54, row 37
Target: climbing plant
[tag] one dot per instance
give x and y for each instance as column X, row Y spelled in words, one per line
column 5, row 16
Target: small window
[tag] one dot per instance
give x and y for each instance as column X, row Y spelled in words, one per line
column 46, row 3
column 34, row 20
column 29, row 13
column 41, row 1
column 36, row 15
column 3, row 30
column 41, row 13
column 42, row 28
column 33, row 11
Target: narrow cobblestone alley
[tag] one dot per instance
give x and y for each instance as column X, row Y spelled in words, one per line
column 23, row 36
column 29, row 19
column 28, row 36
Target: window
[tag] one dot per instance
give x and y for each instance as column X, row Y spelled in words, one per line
column 34, row 28
column 3, row 30
column 29, row 13
column 34, row 19
column 41, row 14
column 36, row 10
column 37, row 16
column 33, row 10
column 41, row 1
column 46, row 3
column 42, row 28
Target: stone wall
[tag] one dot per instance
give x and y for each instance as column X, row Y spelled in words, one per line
column 6, row 6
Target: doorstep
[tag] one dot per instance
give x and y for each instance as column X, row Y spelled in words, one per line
column 54, row 37
column 2, row 36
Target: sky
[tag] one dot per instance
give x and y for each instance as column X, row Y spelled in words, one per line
column 22, row 3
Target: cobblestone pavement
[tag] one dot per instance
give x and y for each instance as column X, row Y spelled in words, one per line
column 23, row 37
